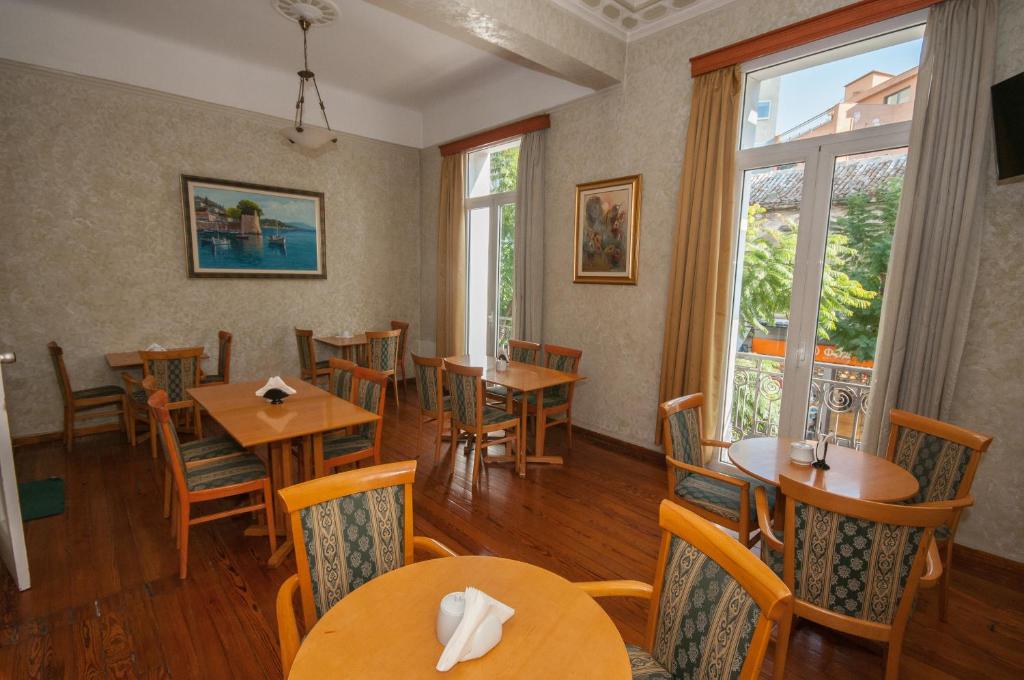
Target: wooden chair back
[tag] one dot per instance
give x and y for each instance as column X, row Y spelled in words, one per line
column 741, row 598
column 524, row 352
column 876, row 551
column 368, row 391
column 567, row 360
column 383, row 349
column 224, row 355
column 63, row 381
column 317, row 514
column 342, row 371
column 466, row 388
column 430, row 384
column 175, row 370
column 307, row 351
column 682, row 429
column 403, row 338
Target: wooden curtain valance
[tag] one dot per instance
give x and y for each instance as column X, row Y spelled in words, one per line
column 498, row 134
column 838, row 21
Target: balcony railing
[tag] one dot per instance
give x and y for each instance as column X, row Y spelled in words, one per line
column 838, row 400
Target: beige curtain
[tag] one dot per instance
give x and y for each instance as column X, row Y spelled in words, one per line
column 528, row 306
column 696, row 322
column 451, row 259
column 935, row 248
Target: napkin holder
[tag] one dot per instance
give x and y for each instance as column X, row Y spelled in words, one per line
column 275, row 396
column 501, row 363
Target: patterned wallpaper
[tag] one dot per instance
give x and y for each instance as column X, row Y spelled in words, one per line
column 93, row 253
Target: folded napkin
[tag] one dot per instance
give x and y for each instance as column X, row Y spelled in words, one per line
column 478, row 632
column 156, row 348
column 275, row 383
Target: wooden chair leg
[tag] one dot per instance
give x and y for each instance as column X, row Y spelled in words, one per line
column 152, row 436
column 394, row 382
column 782, row 647
column 183, row 515
column 69, row 430
column 453, row 449
column 947, row 571
column 126, row 417
column 174, row 522
column 167, row 492
column 268, row 501
column 437, row 439
column 892, row 656
column 568, row 427
column 478, row 459
column 198, row 416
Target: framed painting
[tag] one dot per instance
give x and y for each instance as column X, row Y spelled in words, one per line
column 239, row 230
column 607, row 231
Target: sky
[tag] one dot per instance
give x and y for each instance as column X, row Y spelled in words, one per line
column 299, row 209
column 809, row 92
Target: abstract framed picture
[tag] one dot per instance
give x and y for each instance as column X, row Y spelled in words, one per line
column 607, row 231
column 240, row 230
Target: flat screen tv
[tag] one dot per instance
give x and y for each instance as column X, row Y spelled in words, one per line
column 1008, row 113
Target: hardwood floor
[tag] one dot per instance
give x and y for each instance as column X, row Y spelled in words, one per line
column 106, row 600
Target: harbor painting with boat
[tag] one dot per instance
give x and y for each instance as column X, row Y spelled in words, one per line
column 235, row 229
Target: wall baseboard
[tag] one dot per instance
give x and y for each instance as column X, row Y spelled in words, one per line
column 46, row 437
column 623, row 447
column 995, row 567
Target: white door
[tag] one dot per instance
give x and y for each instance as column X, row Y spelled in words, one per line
column 12, row 534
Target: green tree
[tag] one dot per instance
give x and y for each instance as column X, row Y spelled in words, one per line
column 504, row 169
column 232, row 213
column 247, row 207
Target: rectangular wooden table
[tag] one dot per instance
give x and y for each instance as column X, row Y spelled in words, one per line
column 346, row 345
column 121, row 360
column 525, row 378
column 253, row 421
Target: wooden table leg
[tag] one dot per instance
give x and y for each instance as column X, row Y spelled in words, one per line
column 538, row 438
column 521, row 445
column 285, row 478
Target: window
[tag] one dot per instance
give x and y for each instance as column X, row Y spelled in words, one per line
column 764, row 109
column 490, row 221
column 818, row 205
column 901, row 97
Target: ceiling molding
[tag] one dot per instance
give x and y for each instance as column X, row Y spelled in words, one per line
column 631, row 20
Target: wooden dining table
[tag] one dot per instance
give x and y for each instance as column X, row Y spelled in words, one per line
column 851, row 473
column 386, row 628
column 347, row 344
column 253, row 421
column 524, row 378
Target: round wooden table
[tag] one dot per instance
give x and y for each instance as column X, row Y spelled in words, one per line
column 851, row 473
column 386, row 628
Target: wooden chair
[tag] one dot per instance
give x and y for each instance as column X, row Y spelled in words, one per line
column 713, row 604
column 471, row 415
column 176, row 371
column 403, row 344
column 86, row 404
column 311, row 369
column 725, row 499
column 223, row 374
column 853, row 565
column 374, row 503
column 434, row 405
column 138, row 408
column 944, row 458
column 343, row 448
column 341, row 377
column 556, row 400
column 199, row 479
column 523, row 352
column 382, row 349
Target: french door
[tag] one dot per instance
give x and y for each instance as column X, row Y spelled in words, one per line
column 815, row 221
column 490, row 224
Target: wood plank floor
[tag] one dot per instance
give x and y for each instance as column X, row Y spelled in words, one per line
column 106, row 601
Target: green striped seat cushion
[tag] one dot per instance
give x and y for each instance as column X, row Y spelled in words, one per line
column 212, row 378
column 496, row 415
column 497, row 390
column 101, row 391
column 221, row 471
column 326, row 363
column 643, row 666
column 551, row 399
column 210, row 447
column 719, row 497
column 343, row 444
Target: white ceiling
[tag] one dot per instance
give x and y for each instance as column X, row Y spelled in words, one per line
column 382, row 75
column 633, row 19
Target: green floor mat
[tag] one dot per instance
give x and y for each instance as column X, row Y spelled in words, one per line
column 41, row 498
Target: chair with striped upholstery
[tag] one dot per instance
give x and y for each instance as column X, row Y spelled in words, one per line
column 471, row 415
column 520, row 351
column 138, row 408
column 403, row 344
column 342, row 372
column 556, row 402
column 201, row 474
column 176, row 372
column 223, row 374
column 349, row 528
column 107, row 401
column 724, row 498
column 382, row 348
column 853, row 565
column 343, row 448
column 434, row 405
column 944, row 458
column 713, row 604
column 310, row 369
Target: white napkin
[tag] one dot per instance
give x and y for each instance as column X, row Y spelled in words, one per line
column 478, row 632
column 275, row 382
column 156, row 348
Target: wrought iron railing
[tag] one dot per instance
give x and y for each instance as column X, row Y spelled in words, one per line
column 838, row 400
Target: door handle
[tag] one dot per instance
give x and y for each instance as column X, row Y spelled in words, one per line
column 7, row 358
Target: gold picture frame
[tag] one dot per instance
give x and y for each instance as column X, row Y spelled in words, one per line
column 607, row 231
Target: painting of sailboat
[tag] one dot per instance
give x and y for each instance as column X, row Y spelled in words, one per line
column 236, row 229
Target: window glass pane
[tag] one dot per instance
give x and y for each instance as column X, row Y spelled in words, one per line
column 479, row 280
column 492, row 170
column 863, row 84
column 506, row 275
